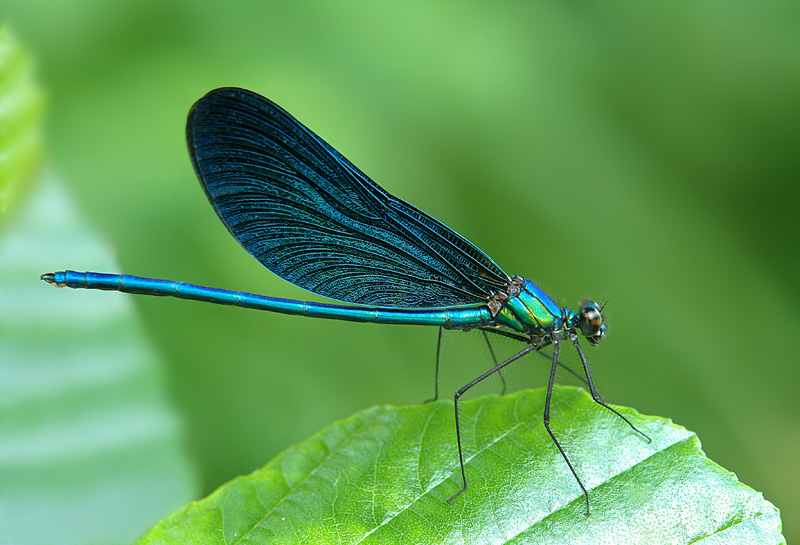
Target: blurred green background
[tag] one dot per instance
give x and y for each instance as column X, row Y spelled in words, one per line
column 648, row 152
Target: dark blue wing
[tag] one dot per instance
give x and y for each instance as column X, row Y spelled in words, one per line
column 311, row 217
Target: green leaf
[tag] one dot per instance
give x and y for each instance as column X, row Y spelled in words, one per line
column 89, row 450
column 20, row 112
column 384, row 475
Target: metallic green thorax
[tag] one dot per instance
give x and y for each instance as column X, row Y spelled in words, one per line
column 530, row 311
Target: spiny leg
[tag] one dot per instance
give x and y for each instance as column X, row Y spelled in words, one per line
column 573, row 372
column 494, row 359
column 461, row 391
column 594, row 393
column 547, row 421
column 539, row 347
column 436, row 377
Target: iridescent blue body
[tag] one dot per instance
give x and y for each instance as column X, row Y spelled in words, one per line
column 531, row 312
column 313, row 218
column 465, row 317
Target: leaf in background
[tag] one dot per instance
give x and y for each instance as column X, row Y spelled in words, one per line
column 383, row 476
column 20, row 109
column 89, row 450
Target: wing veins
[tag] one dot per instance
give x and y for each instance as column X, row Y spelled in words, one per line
column 286, row 194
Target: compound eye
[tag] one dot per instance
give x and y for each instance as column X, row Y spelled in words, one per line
column 591, row 321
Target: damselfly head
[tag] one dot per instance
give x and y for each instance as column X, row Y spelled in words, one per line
column 590, row 321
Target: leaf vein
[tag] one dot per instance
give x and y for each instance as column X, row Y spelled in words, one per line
column 312, row 472
column 478, row 451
